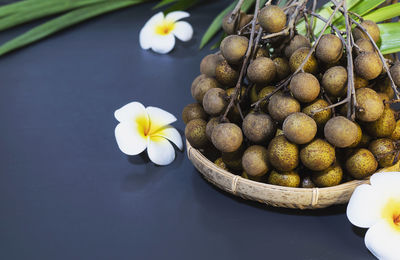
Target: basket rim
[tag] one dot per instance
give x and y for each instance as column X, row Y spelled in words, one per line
column 341, row 186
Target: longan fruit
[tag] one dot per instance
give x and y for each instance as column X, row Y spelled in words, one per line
column 209, row 63
column 370, row 105
column 305, row 87
column 193, row 111
column 329, row 49
column 281, row 105
column 233, row 48
column 334, row 81
column 361, row 164
column 284, row 178
column 368, row 65
column 317, row 155
column 299, row 128
column 283, row 154
column 272, row 19
column 227, row 137
column 225, row 74
column 258, row 127
column 321, row 117
column 214, row 101
column 261, row 71
column 282, row 68
column 202, row 87
column 340, row 131
column 297, row 42
column 371, row 28
column 195, row 133
column 255, row 161
column 297, row 58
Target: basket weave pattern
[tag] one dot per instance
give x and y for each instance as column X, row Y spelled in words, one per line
column 277, row 196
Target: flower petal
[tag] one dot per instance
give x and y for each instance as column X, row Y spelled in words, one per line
column 146, row 37
column 387, row 182
column 130, row 141
column 383, row 241
column 365, row 206
column 177, row 15
column 159, row 118
column 171, row 134
column 130, row 112
column 183, row 31
column 162, row 43
column 158, row 17
column 160, row 150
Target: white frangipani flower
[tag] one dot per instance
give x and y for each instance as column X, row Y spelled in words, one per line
column 140, row 128
column 159, row 32
column 377, row 207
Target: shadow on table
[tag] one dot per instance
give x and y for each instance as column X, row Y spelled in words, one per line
column 333, row 210
column 146, row 172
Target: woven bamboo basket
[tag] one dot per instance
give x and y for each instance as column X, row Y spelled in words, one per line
column 277, row 196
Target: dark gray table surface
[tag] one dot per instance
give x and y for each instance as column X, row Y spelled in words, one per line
column 67, row 192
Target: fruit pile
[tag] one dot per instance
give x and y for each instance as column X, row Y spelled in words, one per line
column 300, row 111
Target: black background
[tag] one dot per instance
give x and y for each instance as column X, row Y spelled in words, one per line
column 67, row 192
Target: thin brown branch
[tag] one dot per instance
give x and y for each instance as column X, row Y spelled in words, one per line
column 244, row 65
column 396, row 92
column 235, row 11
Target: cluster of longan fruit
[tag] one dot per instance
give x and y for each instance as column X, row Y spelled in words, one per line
column 288, row 139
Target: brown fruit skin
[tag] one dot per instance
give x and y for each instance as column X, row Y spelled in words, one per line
column 282, row 154
column 193, row 111
column 329, row 177
column 359, row 82
column 233, row 48
column 371, row 28
column 282, row 68
column 361, row 164
column 262, row 52
column 299, row 128
column 368, row 65
column 364, row 45
column 272, row 19
column 306, row 182
column 209, row 63
column 263, row 93
column 334, row 81
column 317, row 155
column 225, row 74
column 214, row 101
column 195, row 82
column 255, row 161
column 258, row 127
column 321, row 117
column 229, row 28
column 299, row 56
column 384, row 126
column 262, row 178
column 253, row 94
column 202, row 87
column 340, row 131
column 396, row 133
column 213, row 122
column 261, row 71
column 220, row 163
column 296, row 43
column 384, row 150
column 234, row 159
column 359, row 137
column 227, row 137
column 305, row 87
column 281, row 106
column 195, row 133
column 384, row 86
column 284, row 178
column 395, row 72
column 329, row 49
column 365, row 140
column 370, row 104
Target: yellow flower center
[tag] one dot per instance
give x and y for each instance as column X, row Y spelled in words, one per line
column 391, row 213
column 165, row 27
column 143, row 125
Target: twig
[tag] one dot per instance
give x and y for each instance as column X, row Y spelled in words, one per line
column 380, row 56
column 235, row 11
column 244, row 65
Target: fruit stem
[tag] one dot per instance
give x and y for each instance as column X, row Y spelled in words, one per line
column 235, row 11
column 244, row 65
column 380, row 56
